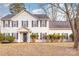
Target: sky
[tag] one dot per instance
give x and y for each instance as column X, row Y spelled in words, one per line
column 32, row 7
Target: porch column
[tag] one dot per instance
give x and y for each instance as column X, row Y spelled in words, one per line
column 20, row 37
column 28, row 37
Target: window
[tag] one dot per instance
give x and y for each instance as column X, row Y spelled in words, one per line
column 42, row 35
column 66, row 35
column 15, row 35
column 6, row 23
column 25, row 23
column 34, row 23
column 14, row 23
column 43, row 23
column 6, row 34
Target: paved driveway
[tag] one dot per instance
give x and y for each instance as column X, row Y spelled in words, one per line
column 37, row 49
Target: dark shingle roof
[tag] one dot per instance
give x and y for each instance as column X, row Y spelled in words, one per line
column 59, row 24
column 52, row 24
column 7, row 17
column 41, row 16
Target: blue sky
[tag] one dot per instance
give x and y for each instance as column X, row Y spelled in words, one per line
column 4, row 10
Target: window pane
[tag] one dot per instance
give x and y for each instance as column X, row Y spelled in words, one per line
column 25, row 23
column 43, row 23
column 7, row 34
column 66, row 35
column 15, row 35
column 6, row 23
column 14, row 23
column 42, row 35
column 34, row 23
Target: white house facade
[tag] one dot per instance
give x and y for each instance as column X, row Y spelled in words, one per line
column 23, row 24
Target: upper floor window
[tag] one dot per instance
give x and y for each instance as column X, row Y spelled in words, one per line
column 14, row 23
column 34, row 23
column 6, row 23
column 43, row 23
column 25, row 23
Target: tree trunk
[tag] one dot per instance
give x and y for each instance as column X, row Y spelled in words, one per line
column 76, row 34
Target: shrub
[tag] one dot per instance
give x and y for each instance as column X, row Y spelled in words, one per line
column 10, row 38
column 34, row 36
column 2, row 37
column 46, row 37
column 56, row 36
column 71, row 36
column 62, row 36
column 50, row 36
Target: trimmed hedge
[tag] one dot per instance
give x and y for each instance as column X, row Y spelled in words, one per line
column 2, row 37
column 33, row 37
column 10, row 38
column 6, row 38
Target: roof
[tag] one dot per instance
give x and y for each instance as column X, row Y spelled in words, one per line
column 7, row 17
column 59, row 24
column 41, row 15
column 52, row 24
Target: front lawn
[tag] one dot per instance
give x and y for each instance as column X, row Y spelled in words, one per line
column 65, row 48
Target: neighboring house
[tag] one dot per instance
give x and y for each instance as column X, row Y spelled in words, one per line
column 21, row 25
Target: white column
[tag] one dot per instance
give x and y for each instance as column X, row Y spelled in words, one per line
column 20, row 37
column 28, row 37
column 39, row 27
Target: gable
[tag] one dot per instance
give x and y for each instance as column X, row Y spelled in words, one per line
column 23, row 15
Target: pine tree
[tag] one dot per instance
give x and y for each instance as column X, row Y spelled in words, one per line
column 16, row 7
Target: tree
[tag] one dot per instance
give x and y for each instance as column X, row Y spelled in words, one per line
column 71, row 11
column 16, row 7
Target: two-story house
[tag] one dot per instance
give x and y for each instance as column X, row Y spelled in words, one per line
column 21, row 25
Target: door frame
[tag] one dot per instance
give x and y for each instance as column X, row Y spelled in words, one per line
column 25, row 37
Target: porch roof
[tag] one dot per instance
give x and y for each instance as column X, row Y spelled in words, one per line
column 22, row 29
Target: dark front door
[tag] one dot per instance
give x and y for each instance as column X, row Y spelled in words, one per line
column 25, row 37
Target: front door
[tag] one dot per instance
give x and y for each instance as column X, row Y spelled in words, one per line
column 24, row 37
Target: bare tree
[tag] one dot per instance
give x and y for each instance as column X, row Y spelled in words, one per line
column 71, row 11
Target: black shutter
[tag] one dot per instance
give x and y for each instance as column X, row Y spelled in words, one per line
column 12, row 23
column 27, row 23
column 22, row 23
column 32, row 23
column 17, row 23
column 3, row 23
